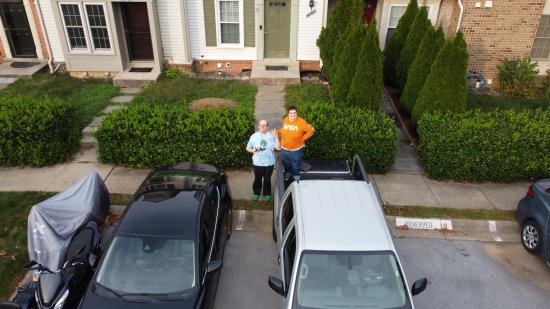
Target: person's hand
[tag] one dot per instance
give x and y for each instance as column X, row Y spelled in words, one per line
column 274, row 132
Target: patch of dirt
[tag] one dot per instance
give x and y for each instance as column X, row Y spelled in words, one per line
column 211, row 103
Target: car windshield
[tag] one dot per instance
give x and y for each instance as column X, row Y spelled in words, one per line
column 350, row 280
column 148, row 265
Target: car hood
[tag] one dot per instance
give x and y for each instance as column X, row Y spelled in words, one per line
column 93, row 301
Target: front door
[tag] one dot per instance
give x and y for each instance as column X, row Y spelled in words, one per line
column 137, row 31
column 18, row 31
column 369, row 9
column 277, row 28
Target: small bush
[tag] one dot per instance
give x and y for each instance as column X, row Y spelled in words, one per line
column 298, row 94
column 337, row 23
column 489, row 103
column 475, row 146
column 342, row 132
column 152, row 135
column 171, row 73
column 36, row 132
column 517, row 77
column 547, row 85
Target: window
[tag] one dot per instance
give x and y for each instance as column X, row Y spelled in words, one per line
column 98, row 26
column 396, row 11
column 287, row 213
column 230, row 22
column 80, row 31
column 541, row 46
column 289, row 253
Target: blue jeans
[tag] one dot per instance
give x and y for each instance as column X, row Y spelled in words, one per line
column 292, row 161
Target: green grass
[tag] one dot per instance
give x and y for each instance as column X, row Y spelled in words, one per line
column 488, row 103
column 450, row 213
column 89, row 96
column 14, row 209
column 184, row 90
column 298, row 94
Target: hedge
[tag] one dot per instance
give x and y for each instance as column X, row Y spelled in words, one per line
column 342, row 132
column 152, row 135
column 501, row 146
column 36, row 132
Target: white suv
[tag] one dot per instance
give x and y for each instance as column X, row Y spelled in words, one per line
column 335, row 248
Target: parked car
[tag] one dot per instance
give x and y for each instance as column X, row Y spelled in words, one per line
column 533, row 214
column 167, row 248
column 335, row 247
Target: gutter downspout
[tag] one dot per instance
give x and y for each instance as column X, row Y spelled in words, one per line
column 50, row 58
column 461, row 7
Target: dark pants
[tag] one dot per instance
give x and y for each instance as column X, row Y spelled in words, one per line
column 292, row 161
column 262, row 174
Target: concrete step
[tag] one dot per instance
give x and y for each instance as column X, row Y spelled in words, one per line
column 261, row 75
column 88, row 140
column 129, row 79
column 22, row 69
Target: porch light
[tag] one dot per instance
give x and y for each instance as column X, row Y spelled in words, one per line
column 311, row 4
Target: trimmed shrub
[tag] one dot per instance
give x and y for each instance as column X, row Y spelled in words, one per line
column 346, row 64
column 337, row 23
column 392, row 52
column 419, row 27
column 517, row 78
column 366, row 85
column 297, row 94
column 342, row 132
column 498, row 146
column 151, row 135
column 420, row 68
column 446, row 87
column 36, row 131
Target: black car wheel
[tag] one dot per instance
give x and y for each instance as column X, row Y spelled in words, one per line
column 531, row 237
column 229, row 222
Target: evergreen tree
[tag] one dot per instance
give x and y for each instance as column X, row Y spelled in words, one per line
column 337, row 23
column 347, row 62
column 392, row 52
column 367, row 83
column 420, row 68
column 408, row 53
column 353, row 16
column 446, row 87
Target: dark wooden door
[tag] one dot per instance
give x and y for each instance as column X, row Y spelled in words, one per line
column 369, row 9
column 18, row 31
column 137, row 31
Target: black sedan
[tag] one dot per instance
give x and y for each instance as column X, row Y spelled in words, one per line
column 167, row 249
column 533, row 214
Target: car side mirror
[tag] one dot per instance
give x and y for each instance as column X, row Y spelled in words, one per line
column 419, row 286
column 92, row 259
column 276, row 285
column 10, row 305
column 214, row 266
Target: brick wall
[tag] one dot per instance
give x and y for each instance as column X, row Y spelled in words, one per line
column 505, row 30
column 39, row 29
column 310, row 65
column 227, row 66
column 448, row 16
column 2, row 52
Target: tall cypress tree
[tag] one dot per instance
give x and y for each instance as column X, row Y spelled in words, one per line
column 392, row 52
column 420, row 68
column 446, row 87
column 336, row 25
column 367, row 83
column 408, row 53
column 346, row 64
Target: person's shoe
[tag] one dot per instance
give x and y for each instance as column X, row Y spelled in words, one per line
column 255, row 197
column 267, row 198
column 287, row 176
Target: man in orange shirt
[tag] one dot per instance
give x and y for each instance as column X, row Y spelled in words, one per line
column 295, row 132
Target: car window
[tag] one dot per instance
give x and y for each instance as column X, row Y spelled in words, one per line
column 287, row 212
column 289, row 253
column 204, row 248
column 148, row 265
column 352, row 280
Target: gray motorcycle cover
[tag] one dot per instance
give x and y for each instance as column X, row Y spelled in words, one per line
column 53, row 222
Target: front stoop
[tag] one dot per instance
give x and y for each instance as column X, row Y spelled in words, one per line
column 261, row 76
column 28, row 69
column 127, row 79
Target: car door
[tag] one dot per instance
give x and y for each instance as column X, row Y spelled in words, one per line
column 287, row 258
column 211, row 238
column 547, row 239
column 285, row 215
column 215, row 217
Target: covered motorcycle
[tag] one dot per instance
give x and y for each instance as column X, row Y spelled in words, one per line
column 53, row 222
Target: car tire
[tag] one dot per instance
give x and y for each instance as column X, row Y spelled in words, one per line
column 229, row 222
column 531, row 237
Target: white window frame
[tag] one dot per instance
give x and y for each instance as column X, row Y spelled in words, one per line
column 429, row 6
column 90, row 48
column 547, row 59
column 241, row 26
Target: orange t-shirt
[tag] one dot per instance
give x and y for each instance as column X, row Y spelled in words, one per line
column 295, row 133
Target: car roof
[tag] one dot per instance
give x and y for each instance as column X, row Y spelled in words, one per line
column 167, row 202
column 340, row 215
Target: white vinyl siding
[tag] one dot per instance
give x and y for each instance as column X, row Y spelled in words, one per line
column 171, row 22
column 197, row 39
column 309, row 28
column 86, row 30
column 51, row 29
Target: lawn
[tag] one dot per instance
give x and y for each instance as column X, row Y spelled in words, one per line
column 488, row 103
column 184, row 89
column 89, row 96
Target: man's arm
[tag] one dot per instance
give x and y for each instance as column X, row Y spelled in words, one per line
column 309, row 130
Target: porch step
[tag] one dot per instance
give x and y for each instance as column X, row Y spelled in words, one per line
column 284, row 71
column 22, row 69
column 127, row 79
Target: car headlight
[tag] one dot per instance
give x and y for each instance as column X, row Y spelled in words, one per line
column 62, row 300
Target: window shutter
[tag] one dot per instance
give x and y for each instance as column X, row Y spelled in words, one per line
column 249, row 24
column 209, row 10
